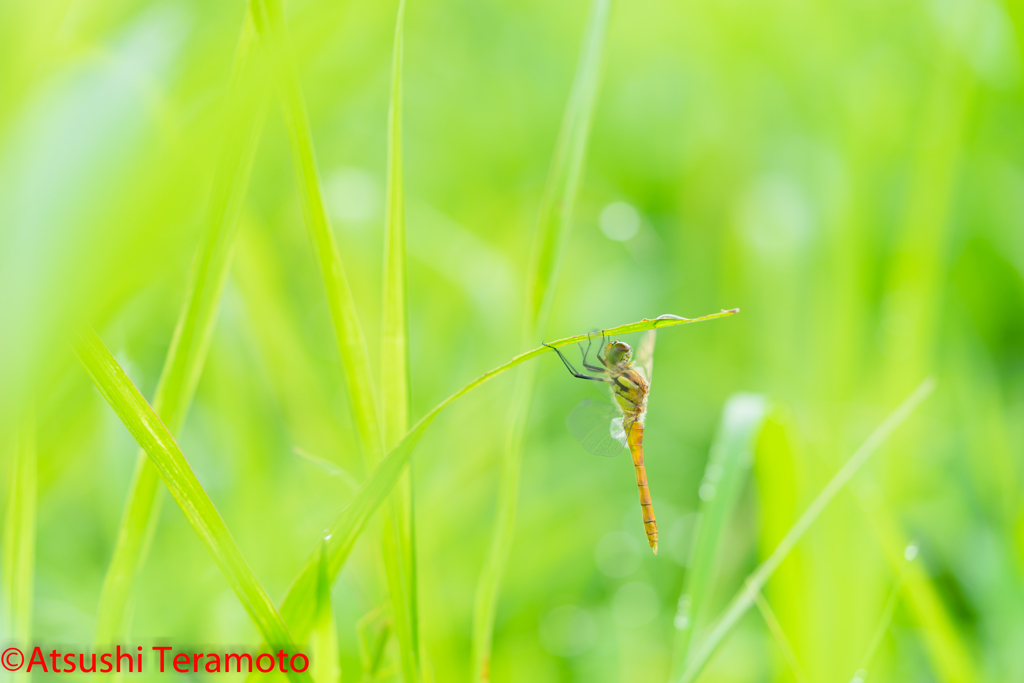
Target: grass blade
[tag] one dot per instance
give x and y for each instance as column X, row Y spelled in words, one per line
column 756, row 581
column 548, row 250
column 17, row 562
column 348, row 331
column 246, row 105
column 273, row 32
column 394, row 340
column 298, row 606
column 324, row 637
column 720, row 488
column 154, row 437
column 399, row 547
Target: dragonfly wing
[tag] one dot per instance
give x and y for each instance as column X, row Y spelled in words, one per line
column 598, row 427
column 645, row 354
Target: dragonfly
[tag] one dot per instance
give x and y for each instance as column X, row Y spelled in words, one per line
column 608, row 428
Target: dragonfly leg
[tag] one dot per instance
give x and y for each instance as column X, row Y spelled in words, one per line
column 586, row 353
column 600, row 357
column 570, row 367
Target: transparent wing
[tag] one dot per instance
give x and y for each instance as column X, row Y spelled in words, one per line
column 645, row 355
column 597, row 425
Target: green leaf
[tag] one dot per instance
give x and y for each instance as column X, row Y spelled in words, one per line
column 17, row 556
column 246, row 108
column 154, row 437
column 755, row 582
column 298, row 608
column 720, row 489
column 548, row 250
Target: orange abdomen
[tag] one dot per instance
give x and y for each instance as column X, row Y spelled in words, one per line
column 636, row 449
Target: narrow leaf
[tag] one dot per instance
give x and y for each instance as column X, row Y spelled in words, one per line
column 398, row 543
column 245, row 108
column 298, row 608
column 394, row 340
column 756, row 581
column 719, row 491
column 154, row 437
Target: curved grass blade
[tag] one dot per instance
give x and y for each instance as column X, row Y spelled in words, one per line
column 298, row 607
column 246, row 108
column 17, row 557
column 154, row 437
column 399, row 546
column 546, row 256
column 756, row 581
column 724, row 475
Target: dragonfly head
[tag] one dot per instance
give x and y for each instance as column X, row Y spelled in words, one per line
column 617, row 354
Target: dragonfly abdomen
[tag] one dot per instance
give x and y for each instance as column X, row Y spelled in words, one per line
column 636, row 449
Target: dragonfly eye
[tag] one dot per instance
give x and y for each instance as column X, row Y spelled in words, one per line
column 618, row 353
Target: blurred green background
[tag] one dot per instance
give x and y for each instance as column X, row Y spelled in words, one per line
column 849, row 174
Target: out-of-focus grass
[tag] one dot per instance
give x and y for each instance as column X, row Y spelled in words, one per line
column 756, row 581
column 848, row 174
column 323, row 638
column 18, row 549
column 546, row 256
column 399, row 519
column 721, row 485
